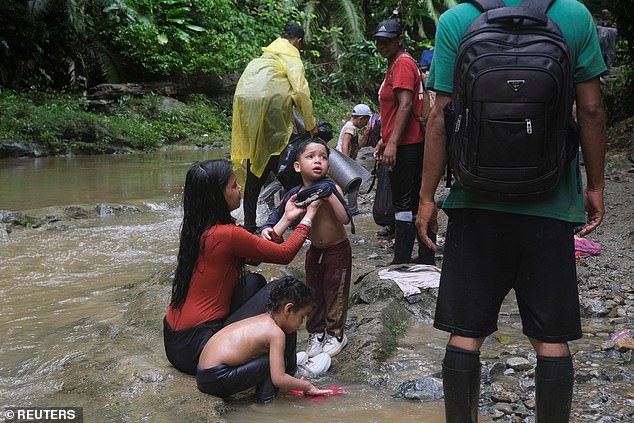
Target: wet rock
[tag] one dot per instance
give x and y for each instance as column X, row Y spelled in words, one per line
column 75, row 212
column 496, row 369
column 428, row 388
column 20, row 149
column 503, row 407
column 497, row 414
column 504, row 397
column 594, row 307
column 115, row 210
column 519, row 364
column 527, row 383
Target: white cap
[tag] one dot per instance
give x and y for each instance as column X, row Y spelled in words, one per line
column 361, row 110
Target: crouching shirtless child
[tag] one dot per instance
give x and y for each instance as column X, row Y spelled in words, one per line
column 329, row 258
column 250, row 352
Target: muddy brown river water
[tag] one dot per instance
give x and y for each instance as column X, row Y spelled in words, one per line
column 63, row 289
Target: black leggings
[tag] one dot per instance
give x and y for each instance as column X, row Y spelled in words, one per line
column 252, row 189
column 183, row 347
column 405, row 179
column 223, row 381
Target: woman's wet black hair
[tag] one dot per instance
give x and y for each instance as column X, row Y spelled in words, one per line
column 204, row 206
column 290, row 290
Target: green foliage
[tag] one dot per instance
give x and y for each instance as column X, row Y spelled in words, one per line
column 398, row 329
column 360, row 73
column 62, row 123
column 190, row 38
column 618, row 93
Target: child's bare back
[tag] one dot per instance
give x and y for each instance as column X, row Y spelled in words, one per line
column 241, row 342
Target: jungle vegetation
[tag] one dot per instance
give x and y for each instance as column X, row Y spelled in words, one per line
column 52, row 53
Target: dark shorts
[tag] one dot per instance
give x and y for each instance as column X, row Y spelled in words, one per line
column 487, row 254
column 183, row 347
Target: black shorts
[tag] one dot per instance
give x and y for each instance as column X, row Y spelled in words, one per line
column 487, row 254
column 183, row 347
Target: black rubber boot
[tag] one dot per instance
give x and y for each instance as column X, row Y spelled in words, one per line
column 461, row 384
column 462, row 393
column 405, row 234
column 553, row 395
column 425, row 254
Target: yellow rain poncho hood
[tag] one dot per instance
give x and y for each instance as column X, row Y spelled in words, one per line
column 262, row 105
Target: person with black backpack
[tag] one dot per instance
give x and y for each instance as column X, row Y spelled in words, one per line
column 505, row 79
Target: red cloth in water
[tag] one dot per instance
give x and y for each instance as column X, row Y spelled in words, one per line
column 336, row 390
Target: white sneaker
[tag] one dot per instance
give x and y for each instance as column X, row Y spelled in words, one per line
column 333, row 345
column 314, row 366
column 315, row 342
column 302, row 358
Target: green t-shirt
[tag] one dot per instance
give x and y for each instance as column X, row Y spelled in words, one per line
column 565, row 202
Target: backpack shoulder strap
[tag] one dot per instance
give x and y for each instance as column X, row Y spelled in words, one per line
column 484, row 5
column 421, row 119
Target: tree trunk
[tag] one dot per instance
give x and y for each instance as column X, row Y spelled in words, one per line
column 211, row 86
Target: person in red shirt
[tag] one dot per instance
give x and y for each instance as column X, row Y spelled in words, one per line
column 211, row 288
column 401, row 147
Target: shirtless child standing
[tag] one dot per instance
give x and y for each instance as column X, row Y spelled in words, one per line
column 250, row 352
column 329, row 258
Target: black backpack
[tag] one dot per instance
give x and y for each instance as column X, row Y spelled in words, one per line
column 286, row 172
column 509, row 123
column 373, row 132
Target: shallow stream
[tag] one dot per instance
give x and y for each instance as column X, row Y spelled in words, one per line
column 71, row 335
column 61, row 288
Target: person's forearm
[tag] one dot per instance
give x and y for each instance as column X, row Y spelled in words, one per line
column 591, row 118
column 345, row 146
column 288, row 382
column 400, row 123
column 282, row 225
column 435, row 157
column 338, row 209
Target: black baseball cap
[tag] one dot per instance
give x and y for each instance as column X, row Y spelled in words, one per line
column 388, row 28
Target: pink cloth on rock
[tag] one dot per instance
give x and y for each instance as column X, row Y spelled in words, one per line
column 585, row 247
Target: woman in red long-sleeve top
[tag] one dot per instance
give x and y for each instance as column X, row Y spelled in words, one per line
column 211, row 287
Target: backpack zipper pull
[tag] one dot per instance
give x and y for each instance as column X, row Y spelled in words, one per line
column 529, row 126
column 457, row 126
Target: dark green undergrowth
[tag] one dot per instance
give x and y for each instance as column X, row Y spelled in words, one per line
column 65, row 123
column 62, row 123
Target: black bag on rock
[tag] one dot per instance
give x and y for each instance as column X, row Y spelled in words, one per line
column 383, row 209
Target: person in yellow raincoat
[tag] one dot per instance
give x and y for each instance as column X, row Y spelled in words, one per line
column 263, row 112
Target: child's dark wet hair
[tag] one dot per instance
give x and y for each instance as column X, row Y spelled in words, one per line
column 290, row 290
column 302, row 146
